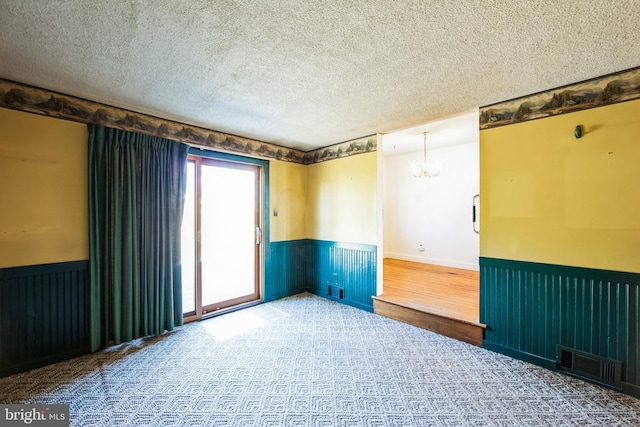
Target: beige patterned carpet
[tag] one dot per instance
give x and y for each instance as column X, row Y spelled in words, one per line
column 307, row 361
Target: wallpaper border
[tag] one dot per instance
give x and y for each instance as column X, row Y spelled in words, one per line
column 597, row 92
column 366, row 144
column 22, row 97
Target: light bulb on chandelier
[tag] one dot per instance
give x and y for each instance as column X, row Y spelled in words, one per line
column 426, row 169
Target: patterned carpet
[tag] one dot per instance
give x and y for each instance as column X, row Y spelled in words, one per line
column 307, row 361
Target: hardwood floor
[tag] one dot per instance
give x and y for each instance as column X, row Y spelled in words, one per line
column 442, row 299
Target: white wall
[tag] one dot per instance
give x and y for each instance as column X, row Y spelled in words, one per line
column 433, row 211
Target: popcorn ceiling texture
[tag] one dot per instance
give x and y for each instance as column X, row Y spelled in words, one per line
column 309, row 74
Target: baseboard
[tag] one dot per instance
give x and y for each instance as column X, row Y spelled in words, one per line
column 343, row 301
column 281, row 295
column 44, row 361
column 353, row 304
column 552, row 365
column 631, row 389
column 520, row 355
column 434, row 261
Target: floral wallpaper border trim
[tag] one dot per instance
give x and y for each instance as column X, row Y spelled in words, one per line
column 22, row 97
column 600, row 91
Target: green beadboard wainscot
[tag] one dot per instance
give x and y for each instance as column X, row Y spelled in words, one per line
column 531, row 308
column 316, row 265
column 44, row 315
column 286, row 271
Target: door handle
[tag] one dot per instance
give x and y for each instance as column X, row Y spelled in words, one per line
column 474, row 218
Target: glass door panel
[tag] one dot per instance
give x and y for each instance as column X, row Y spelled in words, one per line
column 220, row 236
column 228, row 239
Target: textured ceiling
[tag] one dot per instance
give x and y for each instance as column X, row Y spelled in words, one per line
column 308, row 74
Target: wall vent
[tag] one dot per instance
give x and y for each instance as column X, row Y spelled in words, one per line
column 336, row 292
column 590, row 367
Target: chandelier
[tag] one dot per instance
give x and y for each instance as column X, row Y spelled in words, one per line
column 426, row 169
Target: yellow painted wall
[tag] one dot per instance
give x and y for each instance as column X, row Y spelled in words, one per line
column 287, row 188
column 44, row 202
column 43, row 190
column 548, row 197
column 341, row 200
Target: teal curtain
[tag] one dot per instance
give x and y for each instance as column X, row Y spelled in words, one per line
column 136, row 198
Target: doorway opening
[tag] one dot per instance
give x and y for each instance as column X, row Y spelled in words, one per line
column 430, row 228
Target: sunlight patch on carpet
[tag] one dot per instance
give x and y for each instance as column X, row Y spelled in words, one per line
column 238, row 322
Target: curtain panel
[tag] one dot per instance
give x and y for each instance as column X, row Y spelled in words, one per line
column 136, row 197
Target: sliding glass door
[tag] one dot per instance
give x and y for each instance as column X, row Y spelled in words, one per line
column 220, row 236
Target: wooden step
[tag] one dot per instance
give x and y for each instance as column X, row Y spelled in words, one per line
column 460, row 329
column 441, row 299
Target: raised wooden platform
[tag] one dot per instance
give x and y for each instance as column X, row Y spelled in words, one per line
column 440, row 299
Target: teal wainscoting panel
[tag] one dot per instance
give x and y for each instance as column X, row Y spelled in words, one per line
column 286, row 271
column 316, row 265
column 316, row 258
column 348, row 268
column 44, row 315
column 531, row 308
